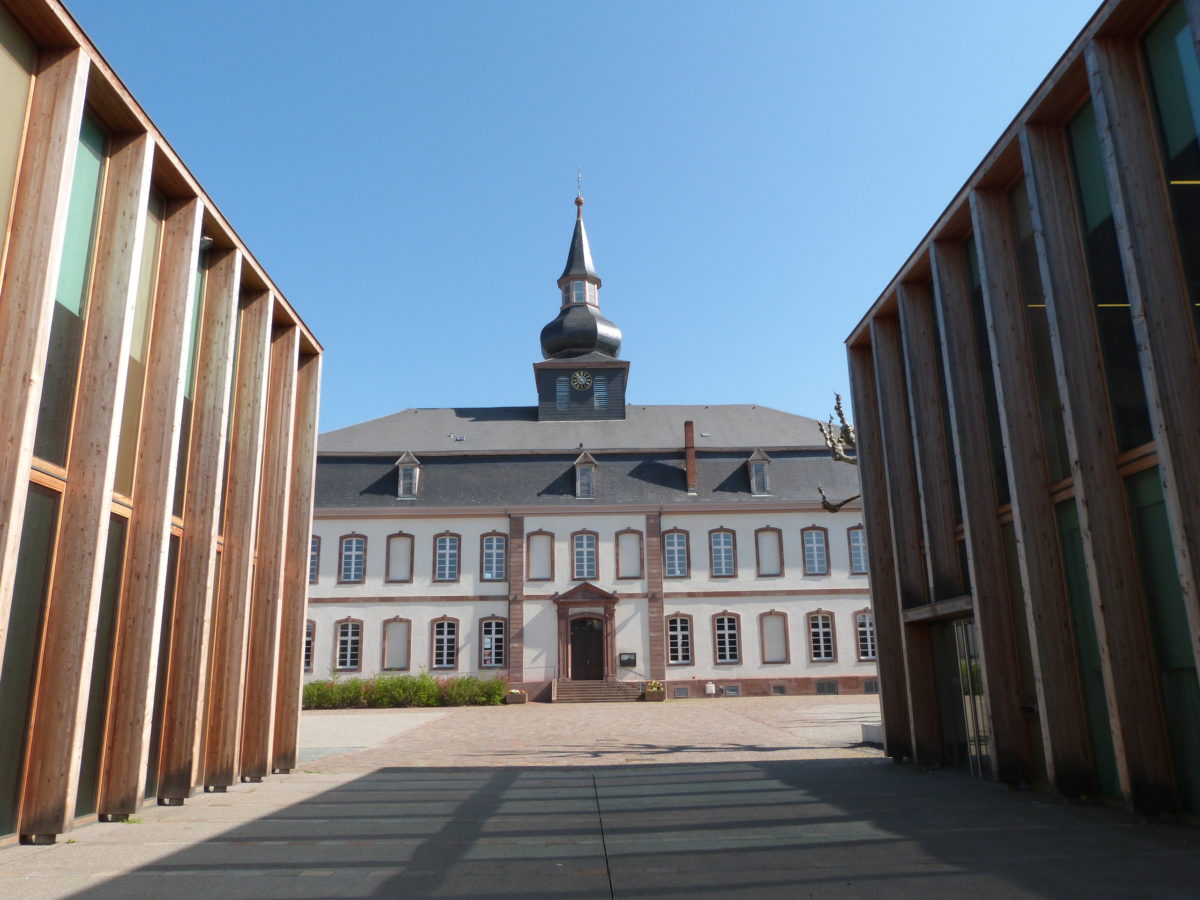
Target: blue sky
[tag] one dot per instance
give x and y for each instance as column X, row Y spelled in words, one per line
column 755, row 173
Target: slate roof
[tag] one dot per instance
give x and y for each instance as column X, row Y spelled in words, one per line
column 501, row 429
column 345, row 482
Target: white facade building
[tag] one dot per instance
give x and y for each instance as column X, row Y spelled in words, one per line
column 590, row 540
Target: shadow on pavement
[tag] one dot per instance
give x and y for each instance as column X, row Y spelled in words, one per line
column 818, row 828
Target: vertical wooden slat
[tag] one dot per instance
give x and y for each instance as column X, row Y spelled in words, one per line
column 30, row 276
column 896, row 449
column 196, row 571
column 295, row 581
column 654, row 597
column 137, row 631
column 885, row 593
column 516, row 598
column 1163, row 316
column 266, row 605
column 1130, row 681
column 1061, row 709
column 227, row 653
column 60, row 701
column 985, row 546
column 934, row 467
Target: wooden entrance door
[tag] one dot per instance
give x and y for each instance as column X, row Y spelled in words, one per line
column 587, row 650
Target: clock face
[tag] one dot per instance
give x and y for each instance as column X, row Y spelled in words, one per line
column 581, row 381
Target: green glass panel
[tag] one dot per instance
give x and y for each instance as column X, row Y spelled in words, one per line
column 1170, row 629
column 102, row 656
column 1087, row 648
column 987, row 378
column 189, row 385
column 1175, row 86
column 131, row 410
column 18, row 56
column 1037, row 326
column 1114, row 324
column 20, row 649
column 70, row 307
column 164, row 655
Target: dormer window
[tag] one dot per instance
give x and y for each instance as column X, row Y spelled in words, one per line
column 585, row 477
column 408, row 474
column 757, row 465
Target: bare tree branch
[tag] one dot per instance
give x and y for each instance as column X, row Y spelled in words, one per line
column 830, row 506
column 842, row 441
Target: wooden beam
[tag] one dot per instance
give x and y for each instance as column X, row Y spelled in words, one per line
column 1164, row 318
column 654, row 598
column 138, row 625
column 935, row 469
column 904, row 503
column 966, row 390
column 1130, row 681
column 31, row 269
column 1061, row 708
column 885, row 593
column 227, row 657
column 266, row 607
column 196, row 575
column 516, row 598
column 285, row 741
column 60, row 696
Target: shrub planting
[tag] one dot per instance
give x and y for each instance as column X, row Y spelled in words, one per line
column 388, row 691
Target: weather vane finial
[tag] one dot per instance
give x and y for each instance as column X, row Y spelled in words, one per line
column 579, row 193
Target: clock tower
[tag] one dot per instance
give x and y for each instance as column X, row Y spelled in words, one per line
column 580, row 377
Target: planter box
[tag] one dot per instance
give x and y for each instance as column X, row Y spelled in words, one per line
column 521, row 697
column 654, row 696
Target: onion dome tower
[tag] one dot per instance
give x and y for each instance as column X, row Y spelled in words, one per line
column 580, row 377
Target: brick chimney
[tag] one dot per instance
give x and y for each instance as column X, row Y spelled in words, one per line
column 689, row 449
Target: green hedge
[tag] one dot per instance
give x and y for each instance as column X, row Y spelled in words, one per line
column 384, row 691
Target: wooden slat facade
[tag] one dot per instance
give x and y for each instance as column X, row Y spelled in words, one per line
column 1105, row 599
column 118, row 706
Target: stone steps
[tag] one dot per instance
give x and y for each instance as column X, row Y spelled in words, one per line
column 596, row 692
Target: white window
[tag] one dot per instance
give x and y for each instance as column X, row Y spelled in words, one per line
column 858, row 551
column 562, row 392
column 445, row 644
column 310, row 636
column 399, row 557
column 397, row 634
column 585, row 482
column 446, row 558
column 721, row 554
column 865, row 623
column 679, row 640
column 774, row 638
column 541, row 556
column 314, row 559
column 820, row 635
column 675, row 554
column 349, row 645
column 758, row 477
column 725, row 632
column 491, row 648
column 629, row 554
column 600, row 392
column 408, row 481
column 354, row 554
column 769, row 545
column 578, row 292
column 816, row 556
column 494, row 546
column 585, row 556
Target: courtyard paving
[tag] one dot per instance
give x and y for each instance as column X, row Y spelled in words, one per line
column 749, row 798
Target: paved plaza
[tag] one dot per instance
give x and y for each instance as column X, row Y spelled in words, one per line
column 749, row 798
